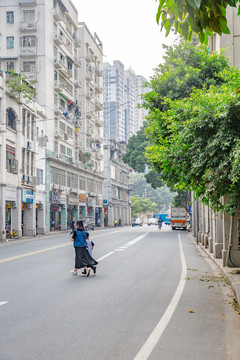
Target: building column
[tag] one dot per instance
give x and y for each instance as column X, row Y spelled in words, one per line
column 210, row 238
column 2, row 213
column 64, row 218
column 41, row 220
column 218, row 243
column 17, row 213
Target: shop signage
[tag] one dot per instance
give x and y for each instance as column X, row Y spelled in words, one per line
column 105, row 201
column 27, row 196
column 83, row 198
column 55, row 197
column 73, row 199
column 90, row 201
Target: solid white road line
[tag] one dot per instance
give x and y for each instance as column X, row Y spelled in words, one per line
column 3, row 302
column 153, row 339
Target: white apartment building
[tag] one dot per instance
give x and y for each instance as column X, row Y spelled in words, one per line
column 42, row 40
column 91, row 130
column 122, row 93
column 116, row 184
column 22, row 152
column 141, row 89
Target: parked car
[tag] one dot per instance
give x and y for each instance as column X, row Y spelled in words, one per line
column 152, row 221
column 89, row 223
column 137, row 222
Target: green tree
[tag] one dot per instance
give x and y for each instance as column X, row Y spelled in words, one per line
column 161, row 196
column 141, row 205
column 185, row 68
column 19, row 86
column 196, row 142
column 202, row 17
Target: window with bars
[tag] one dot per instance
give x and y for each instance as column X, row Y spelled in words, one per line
column 10, row 156
column 29, row 66
column 57, row 176
column 40, row 175
column 10, row 42
column 82, row 183
column 72, row 180
column 28, row 15
column 10, row 17
column 28, row 41
column 62, row 149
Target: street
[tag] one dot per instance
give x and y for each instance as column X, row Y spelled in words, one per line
column 155, row 296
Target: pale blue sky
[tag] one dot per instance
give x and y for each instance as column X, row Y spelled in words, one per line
column 128, row 31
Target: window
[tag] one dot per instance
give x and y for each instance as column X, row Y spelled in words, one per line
column 40, row 175
column 55, row 147
column 29, row 66
column 10, row 157
column 69, row 152
column 10, row 42
column 28, row 41
column 82, row 183
column 10, row 17
column 28, row 15
column 10, row 65
column 11, row 118
column 62, row 149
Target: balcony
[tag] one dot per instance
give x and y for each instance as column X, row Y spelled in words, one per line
column 98, row 89
column 77, row 42
column 58, row 63
column 57, row 39
column 98, row 71
column 57, row 86
column 89, row 95
column 56, row 14
column 58, row 109
column 28, row 50
column 77, row 84
column 98, row 105
column 28, row 26
column 98, row 122
column 30, row 76
column 89, row 75
column 77, row 62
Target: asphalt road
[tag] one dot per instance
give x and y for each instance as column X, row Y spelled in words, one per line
column 155, row 296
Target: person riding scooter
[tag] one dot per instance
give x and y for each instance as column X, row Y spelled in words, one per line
column 160, row 223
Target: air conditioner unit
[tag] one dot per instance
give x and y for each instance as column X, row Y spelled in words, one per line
column 29, row 145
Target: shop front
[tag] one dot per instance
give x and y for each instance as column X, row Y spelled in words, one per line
column 82, row 205
column 72, row 209
column 98, row 213
column 90, row 206
column 105, row 213
column 57, row 211
column 40, row 214
column 28, row 213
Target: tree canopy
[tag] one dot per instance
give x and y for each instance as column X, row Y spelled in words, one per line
column 202, row 17
column 142, row 205
column 195, row 136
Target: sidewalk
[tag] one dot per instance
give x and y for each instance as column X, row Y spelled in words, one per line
column 232, row 274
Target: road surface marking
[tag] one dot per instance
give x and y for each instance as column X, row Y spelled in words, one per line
column 3, row 302
column 119, row 250
column 153, row 339
column 103, row 257
column 60, row 246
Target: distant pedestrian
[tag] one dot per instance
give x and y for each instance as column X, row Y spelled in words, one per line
column 53, row 224
column 115, row 223
column 120, row 222
column 72, row 226
column 90, row 246
column 82, row 257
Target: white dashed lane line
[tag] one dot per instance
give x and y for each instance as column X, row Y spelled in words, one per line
column 3, row 302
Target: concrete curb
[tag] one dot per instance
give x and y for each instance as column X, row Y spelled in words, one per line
column 233, row 279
